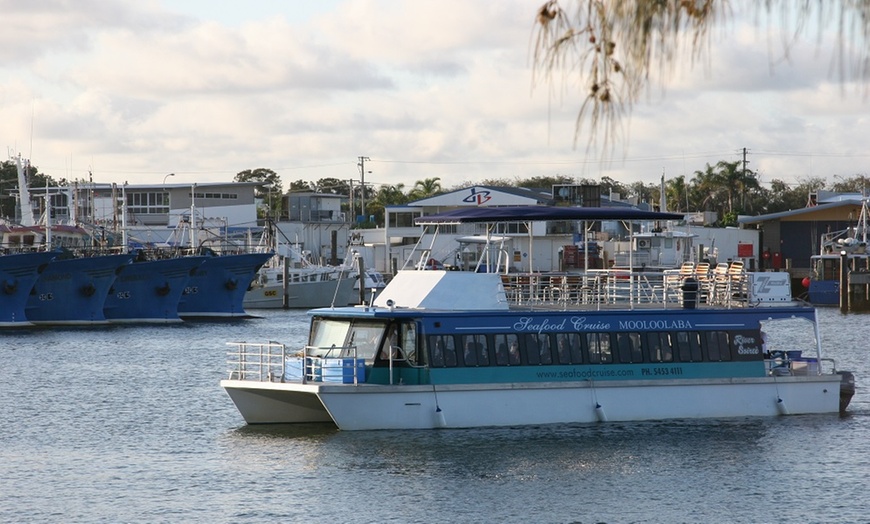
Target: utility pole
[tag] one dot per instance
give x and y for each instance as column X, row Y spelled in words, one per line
column 743, row 189
column 362, row 179
column 352, row 204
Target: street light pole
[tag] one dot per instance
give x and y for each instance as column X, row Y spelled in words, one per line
column 167, row 176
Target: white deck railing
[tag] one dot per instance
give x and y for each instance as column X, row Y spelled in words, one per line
column 613, row 287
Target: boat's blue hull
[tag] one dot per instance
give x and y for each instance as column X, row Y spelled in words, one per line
column 18, row 273
column 824, row 292
column 217, row 287
column 149, row 291
column 73, row 291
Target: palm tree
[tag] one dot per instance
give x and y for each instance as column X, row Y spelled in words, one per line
column 705, row 188
column 425, row 188
column 387, row 195
column 677, row 194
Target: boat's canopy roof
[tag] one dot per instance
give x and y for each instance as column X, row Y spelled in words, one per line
column 535, row 213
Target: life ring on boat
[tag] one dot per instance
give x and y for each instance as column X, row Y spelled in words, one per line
column 88, row 290
column 10, row 287
column 231, row 284
column 163, row 290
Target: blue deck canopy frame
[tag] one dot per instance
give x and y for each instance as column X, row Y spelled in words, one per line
column 533, row 213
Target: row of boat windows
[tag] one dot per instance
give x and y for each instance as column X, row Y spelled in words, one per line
column 516, row 349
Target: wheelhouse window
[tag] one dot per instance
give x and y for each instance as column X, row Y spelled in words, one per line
column 400, row 342
column 345, row 337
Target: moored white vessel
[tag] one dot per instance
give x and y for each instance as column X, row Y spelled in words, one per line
column 450, row 349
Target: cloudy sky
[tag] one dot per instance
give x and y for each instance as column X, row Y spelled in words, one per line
column 133, row 91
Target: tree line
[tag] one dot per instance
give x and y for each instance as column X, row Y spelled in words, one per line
column 724, row 188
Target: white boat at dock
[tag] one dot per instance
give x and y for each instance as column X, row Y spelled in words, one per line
column 455, row 349
column 291, row 280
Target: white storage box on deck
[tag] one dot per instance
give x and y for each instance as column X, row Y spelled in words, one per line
column 804, row 366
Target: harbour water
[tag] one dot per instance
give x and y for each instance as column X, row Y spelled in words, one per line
column 129, row 424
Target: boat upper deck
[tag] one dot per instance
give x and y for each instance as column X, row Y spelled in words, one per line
column 691, row 287
column 725, row 286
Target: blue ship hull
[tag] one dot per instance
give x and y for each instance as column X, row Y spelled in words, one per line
column 73, row 291
column 18, row 274
column 824, row 292
column 149, row 291
column 217, row 288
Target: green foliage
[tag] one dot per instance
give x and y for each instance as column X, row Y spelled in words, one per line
column 271, row 192
column 9, row 184
column 332, row 186
column 425, row 188
column 300, row 186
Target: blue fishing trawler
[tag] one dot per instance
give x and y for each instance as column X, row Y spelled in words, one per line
column 217, row 287
column 452, row 349
column 18, row 273
column 149, row 290
column 73, row 291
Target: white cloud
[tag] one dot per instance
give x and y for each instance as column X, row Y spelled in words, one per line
column 425, row 88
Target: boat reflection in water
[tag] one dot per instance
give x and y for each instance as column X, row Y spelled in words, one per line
column 452, row 349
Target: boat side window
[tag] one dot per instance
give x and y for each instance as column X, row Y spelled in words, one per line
column 537, row 347
column 483, row 358
column 568, row 348
column 448, row 342
column 689, row 346
column 598, row 348
column 546, row 349
column 718, row 346
column 659, row 347
column 476, row 350
column 409, row 342
column 436, row 353
column 507, row 352
column 443, row 351
column 629, row 348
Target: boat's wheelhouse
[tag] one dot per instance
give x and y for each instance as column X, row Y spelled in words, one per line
column 387, row 347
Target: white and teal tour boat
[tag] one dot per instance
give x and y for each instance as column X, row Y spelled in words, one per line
column 458, row 349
